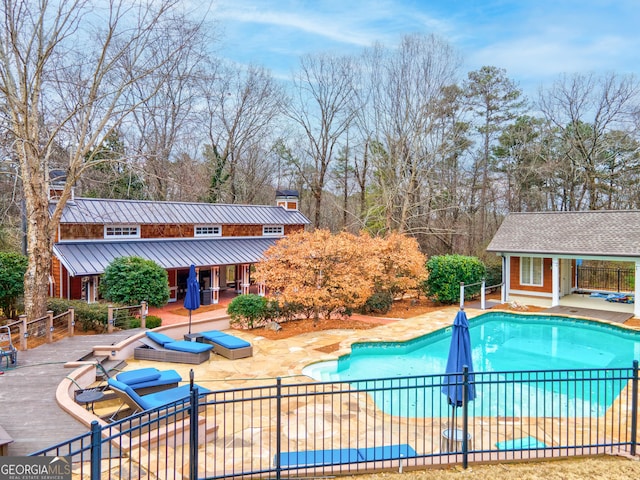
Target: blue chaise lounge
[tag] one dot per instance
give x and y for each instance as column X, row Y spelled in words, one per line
column 149, row 380
column 161, row 347
column 227, row 345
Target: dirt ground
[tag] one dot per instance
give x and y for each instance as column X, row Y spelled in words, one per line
column 405, row 308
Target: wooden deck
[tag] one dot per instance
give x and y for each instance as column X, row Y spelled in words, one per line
column 609, row 316
column 29, row 412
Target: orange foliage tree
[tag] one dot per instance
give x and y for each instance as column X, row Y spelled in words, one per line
column 327, row 273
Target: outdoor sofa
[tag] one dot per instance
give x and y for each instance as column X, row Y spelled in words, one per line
column 227, row 345
column 160, row 347
column 149, row 380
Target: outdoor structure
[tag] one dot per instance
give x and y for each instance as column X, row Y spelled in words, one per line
column 222, row 241
column 540, row 250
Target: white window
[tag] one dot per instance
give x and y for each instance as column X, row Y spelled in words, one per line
column 208, row 231
column 531, row 271
column 272, row 230
column 122, row 231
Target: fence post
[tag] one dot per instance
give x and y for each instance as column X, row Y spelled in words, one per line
column 465, row 416
column 144, row 310
column 193, row 431
column 49, row 326
column 96, row 450
column 634, row 408
column 483, row 295
column 110, row 319
column 23, row 332
column 461, row 295
column 71, row 321
column 278, row 426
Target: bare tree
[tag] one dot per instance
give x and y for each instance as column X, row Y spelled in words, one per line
column 584, row 108
column 323, row 109
column 68, row 73
column 242, row 107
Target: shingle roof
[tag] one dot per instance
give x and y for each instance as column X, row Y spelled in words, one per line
column 91, row 257
column 594, row 233
column 99, row 210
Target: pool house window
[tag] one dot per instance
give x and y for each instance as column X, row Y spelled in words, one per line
column 531, row 271
column 272, row 230
column 208, row 231
column 122, row 231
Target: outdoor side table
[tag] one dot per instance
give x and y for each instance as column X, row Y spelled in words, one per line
column 89, row 397
column 193, row 337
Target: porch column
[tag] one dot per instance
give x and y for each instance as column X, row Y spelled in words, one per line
column 238, row 278
column 555, row 281
column 215, row 273
column 506, row 276
column 246, row 281
column 636, row 296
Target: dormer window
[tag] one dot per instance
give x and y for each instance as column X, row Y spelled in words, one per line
column 121, row 231
column 272, row 230
column 207, row 231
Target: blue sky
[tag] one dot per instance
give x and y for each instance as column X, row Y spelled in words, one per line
column 534, row 40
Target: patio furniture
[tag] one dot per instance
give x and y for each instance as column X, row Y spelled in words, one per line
column 89, row 397
column 526, row 443
column 313, row 458
column 140, row 403
column 7, row 350
column 160, row 347
column 227, row 345
column 453, row 437
column 149, row 380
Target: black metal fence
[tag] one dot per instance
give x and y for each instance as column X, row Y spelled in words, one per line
column 287, row 429
column 606, row 279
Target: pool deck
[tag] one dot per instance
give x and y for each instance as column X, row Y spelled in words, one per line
column 41, row 370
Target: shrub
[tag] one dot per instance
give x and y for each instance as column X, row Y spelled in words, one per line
column 130, row 280
column 494, row 274
column 151, row 322
column 249, row 310
column 12, row 269
column 90, row 316
column 379, row 302
column 445, row 274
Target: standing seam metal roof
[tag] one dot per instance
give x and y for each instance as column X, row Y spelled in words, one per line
column 92, row 257
column 107, row 211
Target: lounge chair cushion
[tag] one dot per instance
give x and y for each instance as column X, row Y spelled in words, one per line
column 226, row 340
column 525, row 443
column 141, row 375
column 189, row 347
column 387, row 452
column 319, row 457
column 158, row 399
column 145, row 378
column 160, row 338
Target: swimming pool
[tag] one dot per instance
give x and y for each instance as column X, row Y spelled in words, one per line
column 503, row 343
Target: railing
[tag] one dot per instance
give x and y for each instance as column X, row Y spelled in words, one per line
column 42, row 330
column 605, row 279
column 483, row 292
column 328, row 428
column 114, row 319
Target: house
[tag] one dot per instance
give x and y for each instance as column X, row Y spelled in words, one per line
column 222, row 241
column 539, row 250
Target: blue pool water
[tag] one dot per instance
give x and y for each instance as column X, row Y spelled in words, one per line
column 502, row 343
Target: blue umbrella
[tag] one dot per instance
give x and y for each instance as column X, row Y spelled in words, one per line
column 459, row 356
column 192, row 300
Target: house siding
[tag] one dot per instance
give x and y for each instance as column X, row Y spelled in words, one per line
column 547, row 277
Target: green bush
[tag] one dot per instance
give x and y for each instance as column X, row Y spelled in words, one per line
column 249, row 310
column 445, row 274
column 379, row 302
column 151, row 322
column 89, row 316
column 494, row 274
column 130, row 280
column 12, row 269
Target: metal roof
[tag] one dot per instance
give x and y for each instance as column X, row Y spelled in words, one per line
column 92, row 257
column 603, row 233
column 107, row 211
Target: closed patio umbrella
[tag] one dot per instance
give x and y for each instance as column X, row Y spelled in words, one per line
column 192, row 299
column 459, row 356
